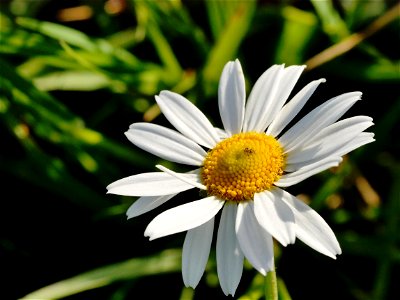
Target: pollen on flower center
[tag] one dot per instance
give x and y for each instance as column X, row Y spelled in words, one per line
column 242, row 165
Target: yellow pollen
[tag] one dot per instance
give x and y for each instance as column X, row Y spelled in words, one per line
column 242, row 165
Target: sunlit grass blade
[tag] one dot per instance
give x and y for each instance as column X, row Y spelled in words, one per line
column 26, row 44
column 218, row 14
column 159, row 41
column 332, row 23
column 77, row 39
column 168, row 261
column 283, row 291
column 298, row 30
column 226, row 47
column 72, row 80
column 59, row 32
column 167, row 56
column 48, row 172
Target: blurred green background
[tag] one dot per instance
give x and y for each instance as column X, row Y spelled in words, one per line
column 75, row 74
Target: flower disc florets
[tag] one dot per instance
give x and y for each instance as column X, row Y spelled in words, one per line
column 242, row 165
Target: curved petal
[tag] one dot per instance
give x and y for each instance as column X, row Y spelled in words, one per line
column 187, row 118
column 261, row 98
column 319, row 118
column 229, row 255
column 339, row 129
column 166, row 143
column 194, row 181
column 151, row 184
column 311, row 228
column 291, row 109
column 268, row 95
column 307, row 171
column 330, row 141
column 145, row 204
column 275, row 216
column 231, row 97
column 362, row 139
column 195, row 252
column 222, row 134
column 183, row 217
column 255, row 242
column 290, row 75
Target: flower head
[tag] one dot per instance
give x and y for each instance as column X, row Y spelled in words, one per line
column 243, row 171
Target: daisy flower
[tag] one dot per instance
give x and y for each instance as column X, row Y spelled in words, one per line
column 243, row 169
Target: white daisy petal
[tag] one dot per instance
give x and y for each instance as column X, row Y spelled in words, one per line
column 249, row 151
column 290, row 76
column 229, row 255
column 145, row 204
column 166, row 143
column 275, row 216
column 291, row 109
column 194, row 180
column 331, row 141
column 151, row 184
column 261, row 98
column 255, row 242
column 222, row 134
column 195, row 252
column 183, row 217
column 362, row 139
column 319, row 118
column 231, row 97
column 339, row 129
column 187, row 118
column 311, row 228
column 307, row 171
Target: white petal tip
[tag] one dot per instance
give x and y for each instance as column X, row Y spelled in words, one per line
column 147, row 234
column 288, row 241
column 263, row 272
column 303, row 67
column 130, row 216
column 334, row 254
column 285, row 243
column 226, row 293
column 190, row 285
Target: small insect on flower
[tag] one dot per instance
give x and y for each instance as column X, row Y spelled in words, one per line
column 243, row 170
column 248, row 151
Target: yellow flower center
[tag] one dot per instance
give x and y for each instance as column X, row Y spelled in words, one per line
column 242, row 165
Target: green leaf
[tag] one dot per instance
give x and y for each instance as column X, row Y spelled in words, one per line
column 298, row 30
column 24, row 43
column 59, row 32
column 167, row 261
column 219, row 13
column 72, row 80
column 332, row 23
column 226, row 47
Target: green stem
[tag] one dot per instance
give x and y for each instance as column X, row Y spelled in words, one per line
column 271, row 286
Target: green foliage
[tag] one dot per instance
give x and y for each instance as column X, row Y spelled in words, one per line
column 166, row 262
column 72, row 83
